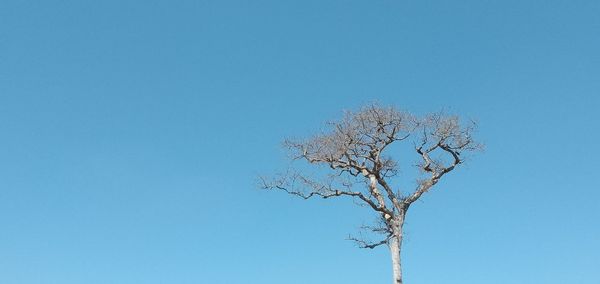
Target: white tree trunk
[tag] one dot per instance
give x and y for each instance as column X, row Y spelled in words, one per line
column 395, row 246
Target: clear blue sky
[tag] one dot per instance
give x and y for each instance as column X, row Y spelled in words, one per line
column 131, row 133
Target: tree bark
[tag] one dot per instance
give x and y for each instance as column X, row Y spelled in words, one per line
column 396, row 266
column 395, row 246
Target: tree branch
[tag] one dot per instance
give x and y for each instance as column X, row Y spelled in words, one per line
column 319, row 190
column 369, row 245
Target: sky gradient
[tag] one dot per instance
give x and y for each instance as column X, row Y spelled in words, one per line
column 132, row 132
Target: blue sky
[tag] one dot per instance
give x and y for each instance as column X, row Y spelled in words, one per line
column 131, row 133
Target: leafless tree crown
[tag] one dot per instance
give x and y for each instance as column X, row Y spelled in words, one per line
column 354, row 149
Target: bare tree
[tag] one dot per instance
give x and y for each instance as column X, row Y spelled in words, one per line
column 355, row 148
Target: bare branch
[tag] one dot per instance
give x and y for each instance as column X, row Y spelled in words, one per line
column 444, row 133
column 382, row 228
column 369, row 245
column 288, row 182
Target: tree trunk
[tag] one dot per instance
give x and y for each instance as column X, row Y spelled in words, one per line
column 395, row 246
